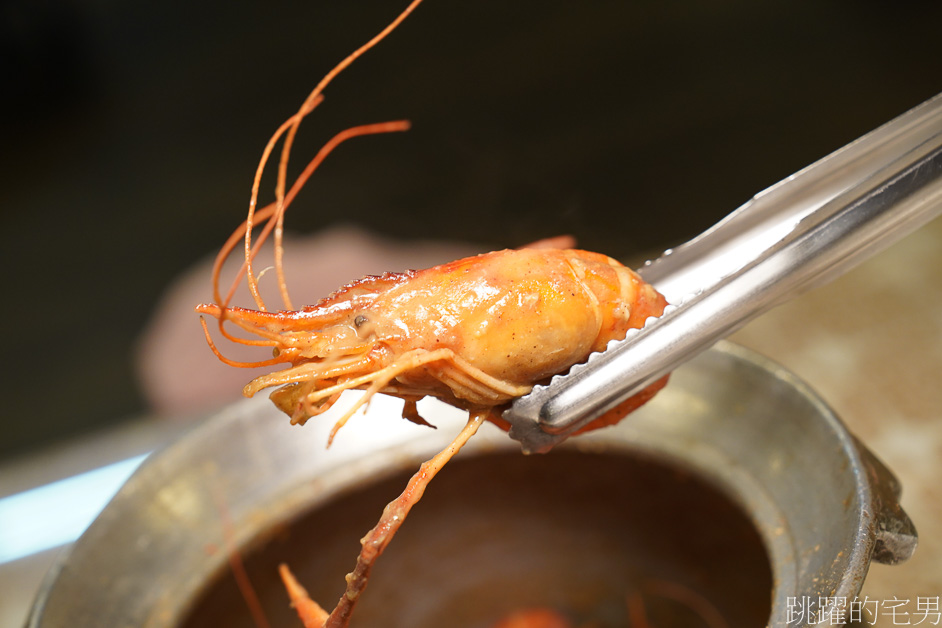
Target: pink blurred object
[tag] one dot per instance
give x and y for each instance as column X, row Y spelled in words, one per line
column 181, row 377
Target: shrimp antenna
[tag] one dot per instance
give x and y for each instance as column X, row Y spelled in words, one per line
column 230, row 362
column 273, row 209
column 291, row 127
column 226, row 250
column 366, row 129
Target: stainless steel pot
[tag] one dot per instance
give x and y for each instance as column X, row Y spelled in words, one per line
column 736, row 483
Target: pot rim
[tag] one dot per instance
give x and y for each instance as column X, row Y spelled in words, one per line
column 167, row 506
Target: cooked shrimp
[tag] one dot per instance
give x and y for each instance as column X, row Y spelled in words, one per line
column 475, row 333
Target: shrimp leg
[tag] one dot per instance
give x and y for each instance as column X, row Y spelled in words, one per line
column 376, row 540
column 308, row 371
column 394, row 514
column 476, row 385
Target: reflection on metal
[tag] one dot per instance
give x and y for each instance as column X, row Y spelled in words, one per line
column 58, row 513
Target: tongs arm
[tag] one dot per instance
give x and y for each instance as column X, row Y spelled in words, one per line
column 802, row 232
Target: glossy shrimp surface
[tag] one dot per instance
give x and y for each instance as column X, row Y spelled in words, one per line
column 476, row 333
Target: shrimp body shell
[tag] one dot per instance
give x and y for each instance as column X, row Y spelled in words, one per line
column 517, row 315
column 476, row 332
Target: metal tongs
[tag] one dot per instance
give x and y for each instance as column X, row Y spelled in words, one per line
column 800, row 233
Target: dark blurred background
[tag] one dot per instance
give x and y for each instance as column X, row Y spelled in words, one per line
column 131, row 130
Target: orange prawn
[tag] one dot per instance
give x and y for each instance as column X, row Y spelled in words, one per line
column 475, row 333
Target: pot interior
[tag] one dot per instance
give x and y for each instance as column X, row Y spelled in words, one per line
column 593, row 535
